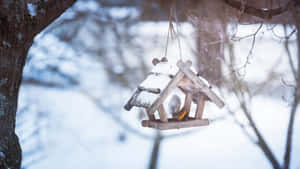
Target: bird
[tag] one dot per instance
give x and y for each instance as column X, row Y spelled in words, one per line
column 174, row 108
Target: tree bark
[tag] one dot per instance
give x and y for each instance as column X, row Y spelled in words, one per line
column 209, row 39
column 17, row 30
column 12, row 60
column 14, row 45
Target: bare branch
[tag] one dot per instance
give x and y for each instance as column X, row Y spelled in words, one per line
column 261, row 141
column 252, row 45
column 239, row 93
column 287, row 154
column 261, row 13
column 288, row 149
column 287, row 49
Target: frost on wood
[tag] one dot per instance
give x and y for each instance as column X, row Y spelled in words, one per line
column 3, row 102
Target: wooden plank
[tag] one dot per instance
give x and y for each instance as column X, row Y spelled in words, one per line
column 164, row 94
column 128, row 106
column 205, row 89
column 150, row 90
column 162, row 113
column 186, row 85
column 174, row 124
column 200, row 107
column 150, row 116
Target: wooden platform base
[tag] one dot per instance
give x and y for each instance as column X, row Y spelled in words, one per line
column 174, row 124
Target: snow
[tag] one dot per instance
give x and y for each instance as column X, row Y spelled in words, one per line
column 83, row 133
column 2, row 97
column 122, row 12
column 32, row 9
column 146, row 98
column 204, row 81
column 91, row 6
column 2, row 155
column 156, row 81
column 165, row 68
column 5, row 43
column 20, row 36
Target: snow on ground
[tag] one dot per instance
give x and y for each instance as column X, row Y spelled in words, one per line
column 80, row 136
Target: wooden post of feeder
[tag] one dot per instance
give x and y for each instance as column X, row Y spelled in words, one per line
column 150, row 116
column 162, row 113
column 200, row 107
column 187, row 103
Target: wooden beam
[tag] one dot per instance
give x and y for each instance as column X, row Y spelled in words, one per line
column 128, row 106
column 150, row 90
column 174, row 124
column 200, row 107
column 150, row 116
column 162, row 113
column 171, row 85
column 205, row 89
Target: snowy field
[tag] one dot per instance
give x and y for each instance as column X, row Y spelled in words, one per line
column 78, row 134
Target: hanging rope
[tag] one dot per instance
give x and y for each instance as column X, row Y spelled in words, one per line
column 172, row 32
column 167, row 43
column 177, row 34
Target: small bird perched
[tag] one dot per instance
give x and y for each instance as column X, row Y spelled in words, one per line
column 174, row 108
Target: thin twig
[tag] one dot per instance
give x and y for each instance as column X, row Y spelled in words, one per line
column 252, row 47
column 288, row 52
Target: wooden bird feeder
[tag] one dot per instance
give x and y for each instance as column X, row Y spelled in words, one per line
column 160, row 83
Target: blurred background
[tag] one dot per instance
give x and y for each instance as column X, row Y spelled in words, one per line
column 84, row 67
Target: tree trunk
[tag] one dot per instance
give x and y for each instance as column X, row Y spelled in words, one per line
column 17, row 30
column 209, row 39
column 14, row 45
column 12, row 59
column 11, row 66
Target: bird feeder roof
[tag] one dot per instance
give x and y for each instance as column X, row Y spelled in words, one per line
column 157, row 80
